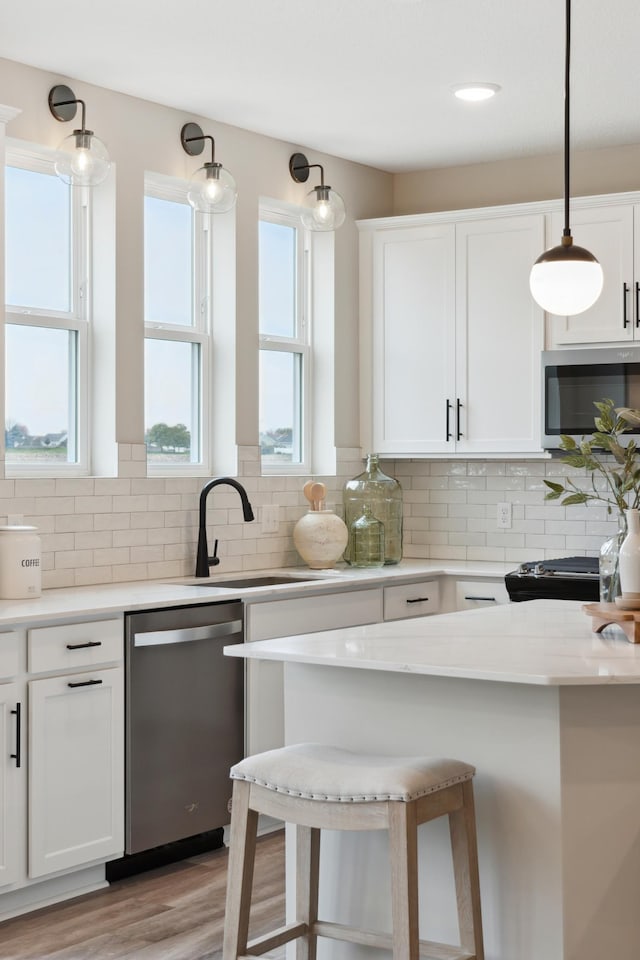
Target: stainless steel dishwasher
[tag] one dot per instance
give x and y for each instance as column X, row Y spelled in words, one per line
column 184, row 721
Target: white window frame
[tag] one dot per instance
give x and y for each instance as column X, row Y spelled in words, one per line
column 77, row 319
column 300, row 343
column 199, row 332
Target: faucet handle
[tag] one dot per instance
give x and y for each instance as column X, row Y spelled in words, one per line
column 215, row 559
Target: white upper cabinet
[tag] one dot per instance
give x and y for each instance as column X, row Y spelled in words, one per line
column 451, row 337
column 610, row 232
column 499, row 336
column 413, row 338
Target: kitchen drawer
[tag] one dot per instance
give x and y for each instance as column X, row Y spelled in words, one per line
column 71, row 645
column 411, row 600
column 9, row 655
column 284, row 618
column 480, row 593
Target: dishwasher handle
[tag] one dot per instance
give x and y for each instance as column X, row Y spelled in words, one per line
column 212, row 631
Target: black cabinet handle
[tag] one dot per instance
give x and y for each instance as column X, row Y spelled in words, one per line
column 637, row 304
column 625, row 291
column 17, row 756
column 448, row 431
column 489, row 599
column 83, row 646
column 418, row 600
column 84, row 683
column 458, row 407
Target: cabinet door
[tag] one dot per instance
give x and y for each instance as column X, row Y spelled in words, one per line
column 76, row 770
column 471, row 594
column 413, row 338
column 12, row 813
column 499, row 335
column 283, row 618
column 608, row 233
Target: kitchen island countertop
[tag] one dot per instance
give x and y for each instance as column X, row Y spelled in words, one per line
column 546, row 642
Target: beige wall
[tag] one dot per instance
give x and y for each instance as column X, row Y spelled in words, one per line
column 609, row 170
column 143, row 136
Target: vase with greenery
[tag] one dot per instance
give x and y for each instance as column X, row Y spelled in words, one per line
column 613, row 479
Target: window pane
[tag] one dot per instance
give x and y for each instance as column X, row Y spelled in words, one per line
column 38, row 241
column 172, row 401
column 168, row 262
column 280, row 407
column 41, row 381
column 277, row 279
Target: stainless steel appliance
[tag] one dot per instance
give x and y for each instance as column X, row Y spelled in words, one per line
column 573, row 379
column 184, row 721
column 569, row 578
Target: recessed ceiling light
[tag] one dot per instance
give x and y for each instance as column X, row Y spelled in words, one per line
column 474, row 92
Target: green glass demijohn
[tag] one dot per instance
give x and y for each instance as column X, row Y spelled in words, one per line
column 367, row 536
column 383, row 495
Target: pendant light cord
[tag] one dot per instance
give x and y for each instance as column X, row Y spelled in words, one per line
column 567, row 59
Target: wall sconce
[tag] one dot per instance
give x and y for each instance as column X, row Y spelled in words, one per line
column 83, row 159
column 212, row 188
column 323, row 208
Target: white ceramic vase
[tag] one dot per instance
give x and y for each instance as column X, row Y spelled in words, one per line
column 630, row 556
column 320, row 538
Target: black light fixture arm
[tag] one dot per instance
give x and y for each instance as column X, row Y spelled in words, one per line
column 62, row 96
column 192, row 139
column 567, row 239
column 299, row 168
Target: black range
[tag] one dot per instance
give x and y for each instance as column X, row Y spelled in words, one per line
column 568, row 578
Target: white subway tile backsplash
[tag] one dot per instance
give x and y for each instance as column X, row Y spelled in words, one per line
column 101, row 530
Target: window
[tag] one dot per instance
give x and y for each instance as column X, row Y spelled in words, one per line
column 177, row 276
column 285, row 358
column 47, row 318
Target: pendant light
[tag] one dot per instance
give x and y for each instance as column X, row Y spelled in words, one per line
column 83, row 159
column 323, row 207
column 212, row 188
column 567, row 279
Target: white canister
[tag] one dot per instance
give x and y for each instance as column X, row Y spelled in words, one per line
column 20, row 570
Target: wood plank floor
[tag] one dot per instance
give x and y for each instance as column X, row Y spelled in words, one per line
column 172, row 913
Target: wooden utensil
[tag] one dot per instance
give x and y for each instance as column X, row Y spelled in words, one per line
column 318, row 493
column 307, row 492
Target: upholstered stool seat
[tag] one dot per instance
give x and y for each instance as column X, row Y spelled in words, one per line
column 323, row 787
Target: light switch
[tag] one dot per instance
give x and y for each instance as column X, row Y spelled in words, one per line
column 270, row 517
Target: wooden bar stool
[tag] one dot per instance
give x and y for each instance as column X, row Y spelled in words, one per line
column 321, row 787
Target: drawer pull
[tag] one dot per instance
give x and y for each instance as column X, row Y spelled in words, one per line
column 418, row 599
column 84, row 683
column 17, row 756
column 489, row 599
column 83, row 646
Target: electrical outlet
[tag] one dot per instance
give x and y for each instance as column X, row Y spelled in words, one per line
column 270, row 518
column 503, row 518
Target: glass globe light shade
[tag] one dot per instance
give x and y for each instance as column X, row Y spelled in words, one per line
column 83, row 160
column 566, row 280
column 212, row 189
column 323, row 209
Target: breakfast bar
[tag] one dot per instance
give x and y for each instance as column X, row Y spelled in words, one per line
column 549, row 714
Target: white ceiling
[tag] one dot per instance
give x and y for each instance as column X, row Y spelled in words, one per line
column 366, row 80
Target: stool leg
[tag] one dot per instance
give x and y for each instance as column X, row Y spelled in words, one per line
column 242, row 850
column 462, row 827
column 307, row 880
column 403, row 851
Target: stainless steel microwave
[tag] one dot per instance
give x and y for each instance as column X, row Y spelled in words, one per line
column 572, row 380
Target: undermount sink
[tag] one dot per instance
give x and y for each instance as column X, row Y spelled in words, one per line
column 243, row 583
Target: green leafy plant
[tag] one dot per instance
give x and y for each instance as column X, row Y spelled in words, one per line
column 621, row 487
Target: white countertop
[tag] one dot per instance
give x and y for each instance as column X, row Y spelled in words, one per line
column 113, row 598
column 545, row 642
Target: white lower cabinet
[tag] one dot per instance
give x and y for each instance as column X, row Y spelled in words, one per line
column 470, row 594
column 62, row 730
column 285, row 618
column 404, row 600
column 76, row 785
column 12, row 782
